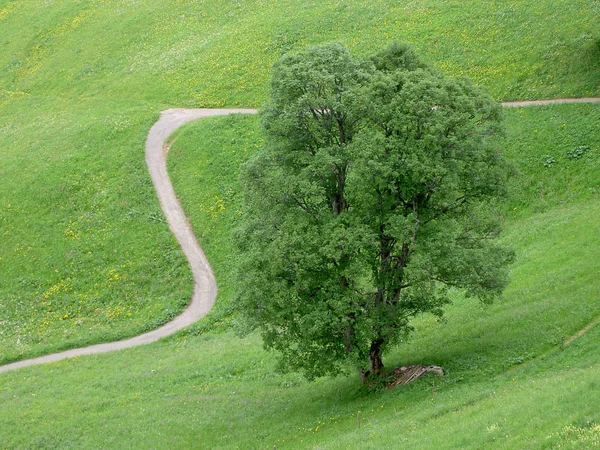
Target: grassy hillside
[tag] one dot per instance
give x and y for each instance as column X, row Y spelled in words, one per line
column 166, row 396
column 219, row 53
column 84, row 253
column 206, row 388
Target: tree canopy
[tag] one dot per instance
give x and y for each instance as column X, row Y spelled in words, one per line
column 369, row 201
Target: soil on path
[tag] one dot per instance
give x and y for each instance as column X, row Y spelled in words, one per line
column 205, row 289
column 550, row 102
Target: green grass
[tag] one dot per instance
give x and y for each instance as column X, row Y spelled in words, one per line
column 217, row 391
column 507, row 383
column 557, row 154
column 211, row 53
column 84, row 253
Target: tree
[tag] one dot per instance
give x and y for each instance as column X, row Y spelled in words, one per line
column 369, row 201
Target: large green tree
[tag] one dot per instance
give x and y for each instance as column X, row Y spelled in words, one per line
column 369, row 201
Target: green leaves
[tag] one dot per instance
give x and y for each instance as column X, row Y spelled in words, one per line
column 369, row 200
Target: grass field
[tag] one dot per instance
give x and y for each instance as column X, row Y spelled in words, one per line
column 84, row 247
column 85, row 255
column 167, row 396
column 206, row 388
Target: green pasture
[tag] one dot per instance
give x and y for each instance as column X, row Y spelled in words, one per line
column 508, row 384
column 85, row 254
column 219, row 392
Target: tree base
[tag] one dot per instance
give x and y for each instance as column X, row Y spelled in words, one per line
column 408, row 374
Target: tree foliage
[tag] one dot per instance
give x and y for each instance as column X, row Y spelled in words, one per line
column 369, row 201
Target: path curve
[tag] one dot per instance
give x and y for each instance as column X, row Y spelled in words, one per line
column 205, row 288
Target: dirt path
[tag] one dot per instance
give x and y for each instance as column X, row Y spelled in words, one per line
column 205, row 289
column 550, row 102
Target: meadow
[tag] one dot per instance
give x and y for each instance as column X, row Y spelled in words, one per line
column 508, row 383
column 85, row 254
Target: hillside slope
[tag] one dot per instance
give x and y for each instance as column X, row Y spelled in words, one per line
column 85, row 255
column 508, row 384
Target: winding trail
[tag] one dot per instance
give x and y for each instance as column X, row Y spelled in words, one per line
column 205, row 288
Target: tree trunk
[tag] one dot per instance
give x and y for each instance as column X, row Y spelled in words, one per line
column 376, row 364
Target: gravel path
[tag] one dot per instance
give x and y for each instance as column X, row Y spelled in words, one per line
column 205, row 288
column 551, row 102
